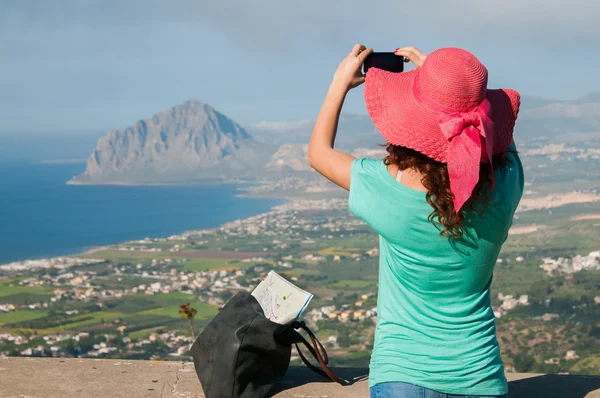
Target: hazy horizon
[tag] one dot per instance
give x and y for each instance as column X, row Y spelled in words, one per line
column 91, row 130
column 73, row 143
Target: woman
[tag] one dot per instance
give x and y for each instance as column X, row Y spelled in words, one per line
column 442, row 202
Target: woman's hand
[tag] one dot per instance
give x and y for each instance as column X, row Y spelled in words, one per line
column 348, row 74
column 412, row 54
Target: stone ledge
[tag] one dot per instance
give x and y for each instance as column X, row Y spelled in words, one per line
column 22, row 377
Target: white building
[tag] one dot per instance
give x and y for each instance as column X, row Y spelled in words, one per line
column 571, row 354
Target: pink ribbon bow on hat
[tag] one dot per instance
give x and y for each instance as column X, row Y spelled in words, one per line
column 465, row 132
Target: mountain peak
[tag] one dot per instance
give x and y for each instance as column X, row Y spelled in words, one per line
column 188, row 141
column 193, row 106
column 193, row 103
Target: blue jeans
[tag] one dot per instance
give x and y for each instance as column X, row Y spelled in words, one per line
column 407, row 390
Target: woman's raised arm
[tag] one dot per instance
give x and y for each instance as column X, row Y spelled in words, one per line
column 335, row 165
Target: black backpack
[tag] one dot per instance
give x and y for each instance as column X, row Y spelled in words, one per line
column 242, row 354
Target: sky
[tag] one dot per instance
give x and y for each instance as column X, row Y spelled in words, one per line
column 88, row 65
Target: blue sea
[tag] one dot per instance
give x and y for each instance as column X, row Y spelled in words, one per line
column 41, row 216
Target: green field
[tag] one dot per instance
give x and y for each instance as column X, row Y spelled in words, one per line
column 205, row 311
column 19, row 320
column 298, row 272
column 20, row 316
column 130, row 256
column 347, row 245
column 517, row 277
column 6, row 290
column 188, row 264
column 354, row 284
column 124, row 256
column 81, row 320
column 136, row 310
column 144, row 333
column 9, row 281
column 323, row 334
column 203, row 264
column 23, row 295
column 358, row 359
column 363, row 270
column 587, row 366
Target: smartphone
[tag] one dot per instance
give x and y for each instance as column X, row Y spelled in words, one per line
column 386, row 61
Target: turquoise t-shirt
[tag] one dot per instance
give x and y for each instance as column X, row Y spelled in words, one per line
column 435, row 324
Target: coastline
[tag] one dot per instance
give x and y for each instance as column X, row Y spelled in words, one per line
column 149, row 184
column 198, row 182
column 243, row 188
column 86, row 250
column 244, row 193
column 122, row 184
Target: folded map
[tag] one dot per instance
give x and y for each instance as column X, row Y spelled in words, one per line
column 281, row 300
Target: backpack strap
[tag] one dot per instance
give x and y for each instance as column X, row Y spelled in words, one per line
column 317, row 351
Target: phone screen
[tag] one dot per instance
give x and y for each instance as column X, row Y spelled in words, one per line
column 387, row 61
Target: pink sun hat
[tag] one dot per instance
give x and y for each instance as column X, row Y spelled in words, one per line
column 445, row 111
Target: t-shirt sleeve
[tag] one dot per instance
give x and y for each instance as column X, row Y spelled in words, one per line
column 364, row 178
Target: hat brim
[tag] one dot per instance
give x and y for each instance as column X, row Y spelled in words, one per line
column 402, row 120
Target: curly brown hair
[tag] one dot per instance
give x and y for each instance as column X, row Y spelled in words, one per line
column 437, row 182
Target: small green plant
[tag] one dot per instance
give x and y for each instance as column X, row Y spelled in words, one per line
column 186, row 311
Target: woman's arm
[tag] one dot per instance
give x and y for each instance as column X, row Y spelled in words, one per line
column 335, row 165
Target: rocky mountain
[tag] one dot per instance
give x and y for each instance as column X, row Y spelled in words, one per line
column 187, row 142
